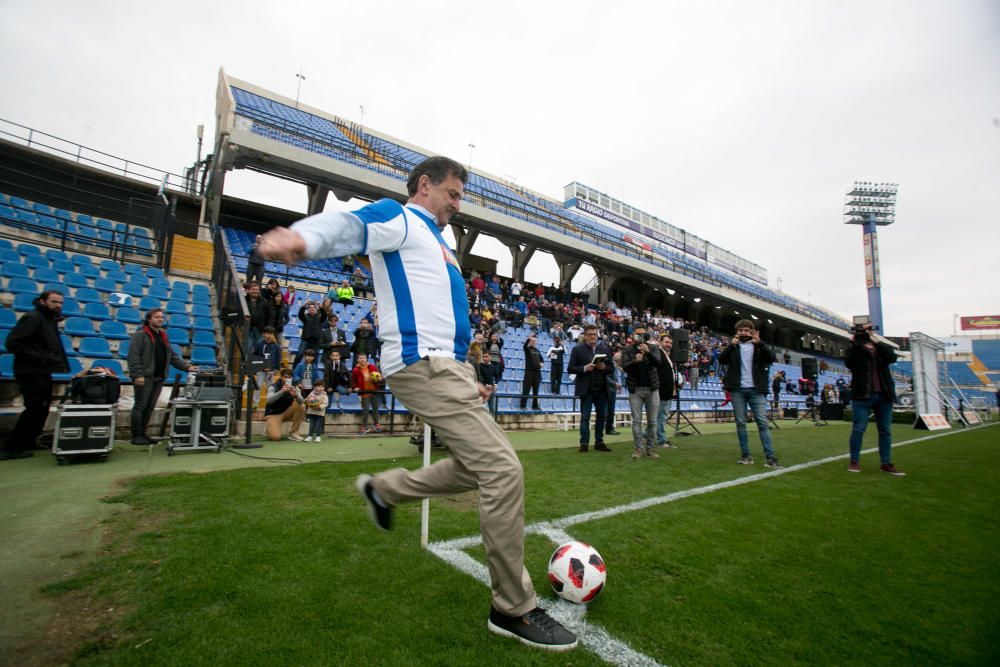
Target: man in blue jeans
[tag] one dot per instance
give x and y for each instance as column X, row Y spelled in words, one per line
column 590, row 361
column 748, row 360
column 872, row 390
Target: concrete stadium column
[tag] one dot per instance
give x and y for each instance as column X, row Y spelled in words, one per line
column 317, row 198
column 342, row 195
column 605, row 281
column 464, row 240
column 520, row 256
column 213, row 195
column 568, row 268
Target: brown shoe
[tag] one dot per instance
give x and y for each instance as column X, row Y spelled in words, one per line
column 892, row 470
column 651, row 454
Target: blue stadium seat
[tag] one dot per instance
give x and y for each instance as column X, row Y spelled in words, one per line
column 180, row 295
column 105, row 285
column 181, row 337
column 171, row 374
column 10, row 256
column 154, row 272
column 204, row 339
column 113, row 330
column 7, row 318
column 112, row 365
column 123, row 349
column 56, row 287
column 181, row 285
column 132, row 269
column 162, row 283
column 88, row 295
column 14, row 270
column 148, row 303
column 95, row 348
column 79, row 326
column 134, row 289
column 88, row 270
column 96, row 311
column 81, row 260
column 6, row 245
column 200, row 289
column 128, row 315
column 174, row 307
column 119, row 277
column 158, row 292
column 71, row 307
column 179, row 320
column 109, row 265
column 45, row 275
column 75, row 366
column 67, row 344
column 36, row 261
column 3, row 340
column 198, row 297
column 22, row 286
column 63, row 266
column 76, row 280
column 204, row 356
column 7, row 366
column 201, row 310
column 204, row 324
column 54, row 255
column 28, row 249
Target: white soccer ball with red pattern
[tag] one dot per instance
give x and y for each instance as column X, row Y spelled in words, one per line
column 577, row 572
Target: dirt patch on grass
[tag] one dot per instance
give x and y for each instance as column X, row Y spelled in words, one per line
column 463, row 502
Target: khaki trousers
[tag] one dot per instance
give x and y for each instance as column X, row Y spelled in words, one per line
column 443, row 392
column 295, row 414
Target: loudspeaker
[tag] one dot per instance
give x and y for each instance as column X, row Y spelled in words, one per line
column 809, row 369
column 681, row 350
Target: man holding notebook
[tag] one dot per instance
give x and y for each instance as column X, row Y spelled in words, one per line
column 590, row 361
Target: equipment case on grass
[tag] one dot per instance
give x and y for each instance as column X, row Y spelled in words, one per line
column 198, row 424
column 84, row 430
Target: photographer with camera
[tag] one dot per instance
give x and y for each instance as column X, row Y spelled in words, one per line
column 872, row 390
column 284, row 403
column 641, row 363
column 748, row 359
column 590, row 361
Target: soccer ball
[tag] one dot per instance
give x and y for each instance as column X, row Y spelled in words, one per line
column 577, row 572
column 375, row 377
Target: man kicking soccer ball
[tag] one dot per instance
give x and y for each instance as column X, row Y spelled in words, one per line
column 425, row 329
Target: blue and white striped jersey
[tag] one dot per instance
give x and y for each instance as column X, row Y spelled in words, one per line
column 423, row 310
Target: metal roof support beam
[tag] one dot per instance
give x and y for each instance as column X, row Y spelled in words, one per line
column 568, row 268
column 464, row 240
column 317, row 198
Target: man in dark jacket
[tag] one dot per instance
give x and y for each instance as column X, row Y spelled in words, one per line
column 149, row 354
column 590, row 361
column 365, row 342
column 667, row 389
column 748, row 360
column 257, row 313
column 312, row 329
column 532, row 373
column 38, row 353
column 255, row 263
column 488, row 377
column 872, row 390
column 641, row 364
column 333, row 338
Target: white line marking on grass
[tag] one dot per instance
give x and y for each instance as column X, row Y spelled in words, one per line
column 594, row 637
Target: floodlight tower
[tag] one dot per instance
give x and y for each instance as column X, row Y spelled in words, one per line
column 872, row 205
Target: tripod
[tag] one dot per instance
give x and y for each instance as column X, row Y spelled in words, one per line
column 813, row 413
column 676, row 415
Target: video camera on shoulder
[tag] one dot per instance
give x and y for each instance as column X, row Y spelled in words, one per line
column 861, row 329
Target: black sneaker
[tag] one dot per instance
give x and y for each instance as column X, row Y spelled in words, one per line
column 141, row 440
column 613, row 432
column 773, row 463
column 380, row 516
column 536, row 628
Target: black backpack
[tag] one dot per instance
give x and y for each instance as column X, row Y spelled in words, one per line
column 95, row 389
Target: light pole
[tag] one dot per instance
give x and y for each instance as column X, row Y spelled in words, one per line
column 872, row 205
column 471, row 148
column 298, row 88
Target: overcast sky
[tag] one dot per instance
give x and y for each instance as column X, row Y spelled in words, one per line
column 742, row 122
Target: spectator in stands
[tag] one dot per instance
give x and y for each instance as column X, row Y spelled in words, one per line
column 532, row 372
column 667, row 389
column 255, row 263
column 495, row 348
column 274, row 314
column 312, row 329
column 557, row 331
column 843, row 392
column 365, row 342
column 290, row 296
column 149, row 355
column 872, row 390
column 268, row 291
column 316, row 402
column 776, row 384
column 38, row 353
column 641, row 362
column 358, row 281
column 345, row 293
column 332, row 338
column 372, row 317
column 284, row 403
column 268, row 351
column 590, row 361
column 307, row 371
column 488, row 377
column 694, row 370
column 747, row 360
column 557, row 357
column 574, row 332
column 424, row 361
column 337, row 376
column 614, row 386
column 364, row 381
column 257, row 318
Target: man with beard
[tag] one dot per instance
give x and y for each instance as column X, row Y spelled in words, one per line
column 38, row 353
